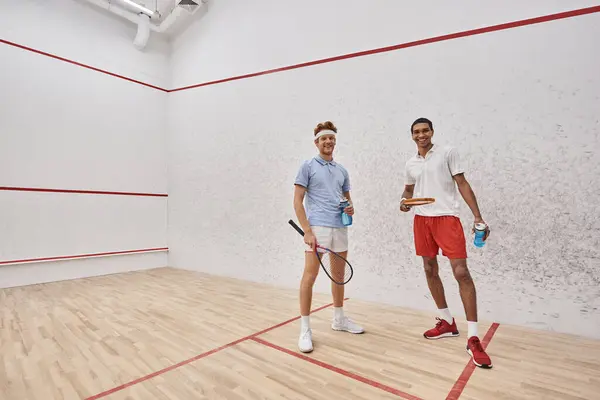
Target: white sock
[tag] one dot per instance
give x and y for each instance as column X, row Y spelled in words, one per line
column 445, row 314
column 338, row 313
column 472, row 329
column 304, row 323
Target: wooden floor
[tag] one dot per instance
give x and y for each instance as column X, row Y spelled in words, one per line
column 172, row 334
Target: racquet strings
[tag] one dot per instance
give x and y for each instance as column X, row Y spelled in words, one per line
column 335, row 266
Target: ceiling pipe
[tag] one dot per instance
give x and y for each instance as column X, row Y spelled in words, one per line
column 170, row 20
column 143, row 32
column 121, row 12
column 139, row 7
column 143, row 21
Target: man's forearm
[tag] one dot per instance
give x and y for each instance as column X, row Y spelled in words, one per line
column 301, row 215
column 347, row 196
column 407, row 194
column 469, row 196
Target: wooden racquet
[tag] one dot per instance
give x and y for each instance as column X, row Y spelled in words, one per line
column 418, row 201
column 343, row 271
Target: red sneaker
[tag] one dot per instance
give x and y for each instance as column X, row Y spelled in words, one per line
column 478, row 355
column 442, row 329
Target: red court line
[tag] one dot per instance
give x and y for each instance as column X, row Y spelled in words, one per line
column 471, row 32
column 199, row 356
column 112, row 253
column 462, row 380
column 27, row 189
column 340, row 371
column 81, row 65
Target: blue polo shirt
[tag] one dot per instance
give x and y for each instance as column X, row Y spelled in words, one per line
column 326, row 182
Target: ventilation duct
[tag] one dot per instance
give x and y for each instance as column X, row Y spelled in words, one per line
column 172, row 23
column 143, row 31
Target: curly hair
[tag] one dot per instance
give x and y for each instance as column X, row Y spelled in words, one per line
column 325, row 125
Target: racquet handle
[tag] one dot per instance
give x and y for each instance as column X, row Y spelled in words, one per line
column 296, row 227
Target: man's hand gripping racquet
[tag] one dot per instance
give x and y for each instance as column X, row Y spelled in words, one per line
column 337, row 268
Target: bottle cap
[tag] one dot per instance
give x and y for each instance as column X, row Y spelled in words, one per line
column 480, row 226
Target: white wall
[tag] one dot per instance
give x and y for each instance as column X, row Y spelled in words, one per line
column 521, row 105
column 81, row 32
column 67, row 127
column 241, row 37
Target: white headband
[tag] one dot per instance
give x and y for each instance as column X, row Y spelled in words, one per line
column 323, row 133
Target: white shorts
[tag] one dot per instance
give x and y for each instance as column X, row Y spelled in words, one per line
column 335, row 239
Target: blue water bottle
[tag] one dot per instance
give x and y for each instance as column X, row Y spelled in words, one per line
column 346, row 219
column 479, row 234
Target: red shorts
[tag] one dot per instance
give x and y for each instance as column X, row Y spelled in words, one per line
column 445, row 232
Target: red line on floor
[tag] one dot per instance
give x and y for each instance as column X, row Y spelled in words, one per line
column 199, row 356
column 28, row 189
column 81, row 65
column 340, row 371
column 471, row 32
column 111, row 253
column 288, row 321
column 462, row 380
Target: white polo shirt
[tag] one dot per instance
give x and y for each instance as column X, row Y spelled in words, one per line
column 432, row 177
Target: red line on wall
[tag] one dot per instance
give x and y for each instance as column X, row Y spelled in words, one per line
column 471, row 32
column 111, row 253
column 81, row 65
column 340, row 371
column 26, row 189
column 462, row 380
column 199, row 356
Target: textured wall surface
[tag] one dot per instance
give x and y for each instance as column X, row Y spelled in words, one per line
column 520, row 105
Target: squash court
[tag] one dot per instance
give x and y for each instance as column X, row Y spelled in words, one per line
column 152, row 153
column 175, row 334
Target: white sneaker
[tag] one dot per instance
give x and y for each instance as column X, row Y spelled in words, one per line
column 305, row 341
column 345, row 324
